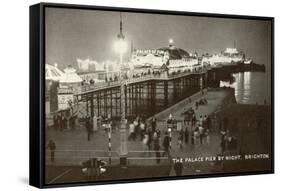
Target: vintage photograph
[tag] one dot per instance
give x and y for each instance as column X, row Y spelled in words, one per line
column 136, row 95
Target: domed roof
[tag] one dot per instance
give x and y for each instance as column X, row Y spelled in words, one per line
column 53, row 73
column 175, row 53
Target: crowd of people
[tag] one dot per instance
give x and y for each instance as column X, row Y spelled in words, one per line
column 61, row 121
column 140, row 74
column 148, row 134
column 192, row 130
column 156, row 137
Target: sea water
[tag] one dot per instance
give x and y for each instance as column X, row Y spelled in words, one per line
column 251, row 87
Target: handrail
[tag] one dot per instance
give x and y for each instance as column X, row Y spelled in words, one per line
column 104, row 151
column 102, row 85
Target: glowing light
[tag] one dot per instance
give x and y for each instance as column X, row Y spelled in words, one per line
column 120, row 46
column 171, row 41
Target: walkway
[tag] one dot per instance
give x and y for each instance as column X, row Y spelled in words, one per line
column 103, row 85
column 73, row 146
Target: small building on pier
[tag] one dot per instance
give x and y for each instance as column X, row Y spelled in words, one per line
column 231, row 56
column 70, row 78
column 92, row 71
column 52, row 77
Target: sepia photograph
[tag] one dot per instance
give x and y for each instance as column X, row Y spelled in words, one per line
column 133, row 95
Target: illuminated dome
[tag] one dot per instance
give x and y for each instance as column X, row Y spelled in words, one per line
column 176, row 53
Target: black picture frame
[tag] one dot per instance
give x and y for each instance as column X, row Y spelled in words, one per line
column 37, row 92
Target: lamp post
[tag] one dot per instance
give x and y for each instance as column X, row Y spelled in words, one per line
column 120, row 48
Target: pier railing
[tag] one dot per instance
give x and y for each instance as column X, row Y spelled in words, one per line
column 161, row 76
column 77, row 157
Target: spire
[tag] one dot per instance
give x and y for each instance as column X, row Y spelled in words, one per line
column 132, row 46
column 120, row 35
column 120, row 23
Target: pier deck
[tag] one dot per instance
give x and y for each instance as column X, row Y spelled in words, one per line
column 73, row 146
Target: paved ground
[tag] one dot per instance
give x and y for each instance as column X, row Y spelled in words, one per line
column 73, row 146
column 215, row 99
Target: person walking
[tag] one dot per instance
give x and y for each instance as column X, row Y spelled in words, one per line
column 55, row 120
column 209, row 122
column 144, row 143
column 149, row 144
column 186, row 135
column 204, row 123
column 196, row 136
column 180, row 139
column 150, row 139
column 170, row 123
column 60, row 125
column 207, row 135
column 136, row 128
column 223, row 145
column 156, row 149
column 200, row 122
column 52, row 147
column 155, row 135
column 153, row 124
column 72, row 122
column 193, row 138
column 201, row 134
column 170, row 137
column 131, row 131
column 64, row 122
column 142, row 130
column 158, row 132
column 194, row 120
column 166, row 144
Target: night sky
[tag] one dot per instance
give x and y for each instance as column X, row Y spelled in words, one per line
column 73, row 33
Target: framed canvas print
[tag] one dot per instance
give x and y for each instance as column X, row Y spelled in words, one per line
column 125, row 95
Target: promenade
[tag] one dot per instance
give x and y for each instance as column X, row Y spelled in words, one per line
column 72, row 146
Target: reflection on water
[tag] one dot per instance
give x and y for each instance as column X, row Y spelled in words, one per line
column 250, row 87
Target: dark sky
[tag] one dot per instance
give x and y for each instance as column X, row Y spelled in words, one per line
column 73, row 33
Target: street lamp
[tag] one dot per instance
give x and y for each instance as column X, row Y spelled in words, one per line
column 121, row 47
column 171, row 41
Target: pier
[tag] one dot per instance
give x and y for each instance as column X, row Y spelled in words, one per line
column 157, row 95
column 148, row 94
column 145, row 96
